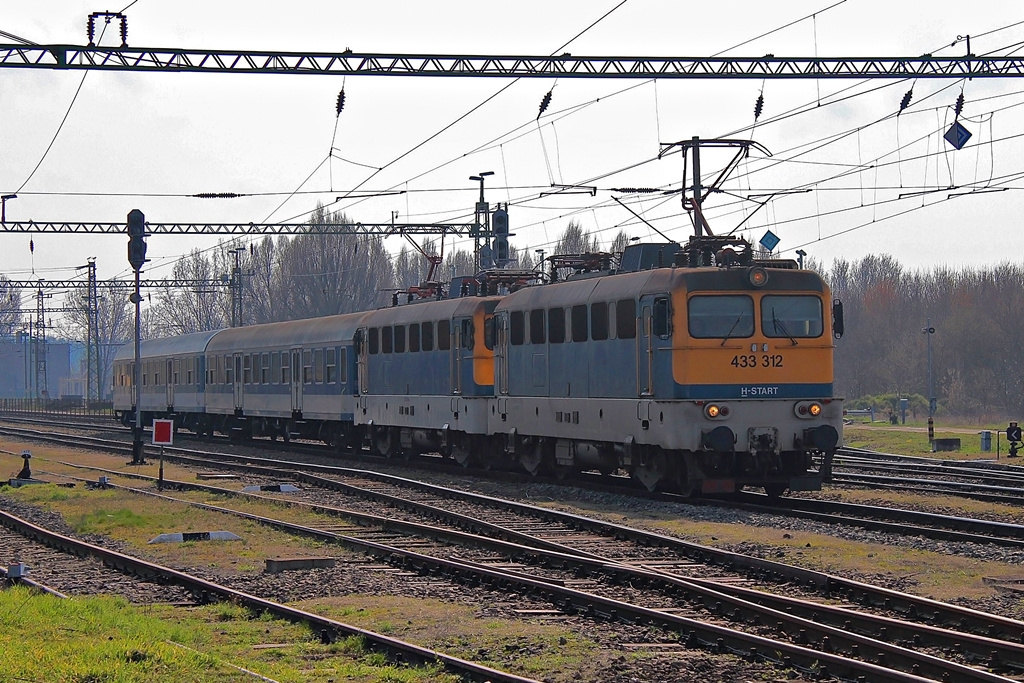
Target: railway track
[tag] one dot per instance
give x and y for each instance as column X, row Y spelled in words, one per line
column 722, row 597
column 122, row 567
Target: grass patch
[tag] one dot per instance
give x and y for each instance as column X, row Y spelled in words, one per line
column 529, row 648
column 97, row 640
column 912, row 439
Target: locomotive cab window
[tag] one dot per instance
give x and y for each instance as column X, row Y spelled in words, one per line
column 386, row 339
column 467, row 334
column 399, row 338
column 791, row 316
column 720, row 317
column 662, row 320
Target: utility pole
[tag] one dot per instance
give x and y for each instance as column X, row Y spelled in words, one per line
column 932, row 404
column 236, row 288
column 40, row 345
column 482, row 222
column 92, row 336
column 137, row 258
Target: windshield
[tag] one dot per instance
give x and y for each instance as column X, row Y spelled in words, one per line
column 791, row 316
column 720, row 317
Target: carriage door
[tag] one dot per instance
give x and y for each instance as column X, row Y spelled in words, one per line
column 362, row 359
column 456, row 357
column 297, row 371
column 238, row 381
column 645, row 348
column 170, row 383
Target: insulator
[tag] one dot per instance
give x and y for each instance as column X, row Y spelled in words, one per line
column 959, row 106
column 31, row 245
column 218, row 195
column 905, row 102
column 341, row 101
column 90, row 30
column 124, row 30
column 636, row 190
column 758, row 106
column 544, row 104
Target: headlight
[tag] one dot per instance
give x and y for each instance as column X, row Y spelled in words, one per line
column 757, row 276
column 716, row 411
column 808, row 409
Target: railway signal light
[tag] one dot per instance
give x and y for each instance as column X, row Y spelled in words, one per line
column 136, row 239
column 1013, row 432
column 499, row 222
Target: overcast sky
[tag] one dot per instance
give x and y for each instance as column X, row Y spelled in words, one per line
column 178, row 134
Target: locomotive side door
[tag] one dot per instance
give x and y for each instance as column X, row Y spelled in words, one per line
column 645, row 348
column 170, row 382
column 296, row 388
column 238, row 381
column 501, row 351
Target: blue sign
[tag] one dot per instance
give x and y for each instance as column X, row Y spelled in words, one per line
column 957, row 135
column 770, row 241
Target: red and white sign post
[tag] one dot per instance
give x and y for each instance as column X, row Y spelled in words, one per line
column 163, row 435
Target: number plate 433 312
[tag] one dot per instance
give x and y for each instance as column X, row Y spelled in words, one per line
column 754, row 360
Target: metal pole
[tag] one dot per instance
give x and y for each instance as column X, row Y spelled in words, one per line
column 929, row 331
column 137, row 454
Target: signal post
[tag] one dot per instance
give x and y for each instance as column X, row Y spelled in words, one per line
column 137, row 258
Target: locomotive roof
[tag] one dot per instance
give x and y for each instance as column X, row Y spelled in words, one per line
column 185, row 344
column 430, row 310
column 332, row 328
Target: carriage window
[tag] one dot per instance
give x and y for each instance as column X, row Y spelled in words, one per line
column 599, row 320
column 579, row 323
column 247, row 369
column 318, row 366
column 556, row 325
column 332, row 366
column 661, row 323
column 190, row 364
column 275, row 367
column 428, row 336
column 414, row 337
column 307, row 367
column 373, row 343
column 517, row 328
column 343, row 365
column 720, row 317
column 625, row 319
column 286, row 370
column 265, row 371
column 489, row 331
column 387, row 339
column 537, row 326
column 399, row 338
column 791, row 316
column 444, row 335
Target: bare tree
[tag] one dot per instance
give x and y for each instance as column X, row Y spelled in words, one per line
column 10, row 307
column 180, row 311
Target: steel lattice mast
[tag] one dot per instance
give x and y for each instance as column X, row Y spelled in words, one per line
column 124, row 58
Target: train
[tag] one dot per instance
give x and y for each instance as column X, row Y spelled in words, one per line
column 697, row 369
